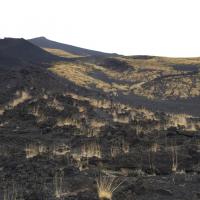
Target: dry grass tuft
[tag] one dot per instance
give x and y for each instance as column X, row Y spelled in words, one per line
column 21, row 96
column 174, row 159
column 58, row 184
column 90, row 150
column 106, row 185
column 33, row 150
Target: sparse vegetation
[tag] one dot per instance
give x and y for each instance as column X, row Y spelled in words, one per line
column 58, row 184
column 174, row 158
column 33, row 150
column 106, row 186
column 64, row 119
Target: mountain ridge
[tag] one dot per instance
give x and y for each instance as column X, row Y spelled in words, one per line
column 43, row 42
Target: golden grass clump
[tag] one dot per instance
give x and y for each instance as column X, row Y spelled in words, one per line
column 33, row 150
column 179, row 120
column 2, row 109
column 21, row 96
column 97, row 123
column 67, row 122
column 90, row 150
column 106, row 185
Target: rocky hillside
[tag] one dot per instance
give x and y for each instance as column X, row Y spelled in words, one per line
column 98, row 127
column 24, row 51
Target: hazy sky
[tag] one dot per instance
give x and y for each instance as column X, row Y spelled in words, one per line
column 131, row 27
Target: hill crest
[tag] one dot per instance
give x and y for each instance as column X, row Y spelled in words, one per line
column 43, row 42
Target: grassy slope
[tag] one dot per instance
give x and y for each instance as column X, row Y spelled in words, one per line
column 156, row 78
column 61, row 53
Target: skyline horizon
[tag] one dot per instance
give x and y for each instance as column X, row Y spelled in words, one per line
column 153, row 55
column 129, row 27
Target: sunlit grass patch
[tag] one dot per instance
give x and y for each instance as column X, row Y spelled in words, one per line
column 106, row 186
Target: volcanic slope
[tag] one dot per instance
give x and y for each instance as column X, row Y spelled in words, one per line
column 64, row 124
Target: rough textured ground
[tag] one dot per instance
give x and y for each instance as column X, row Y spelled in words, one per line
column 67, row 125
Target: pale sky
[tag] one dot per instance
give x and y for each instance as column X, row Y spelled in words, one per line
column 130, row 27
